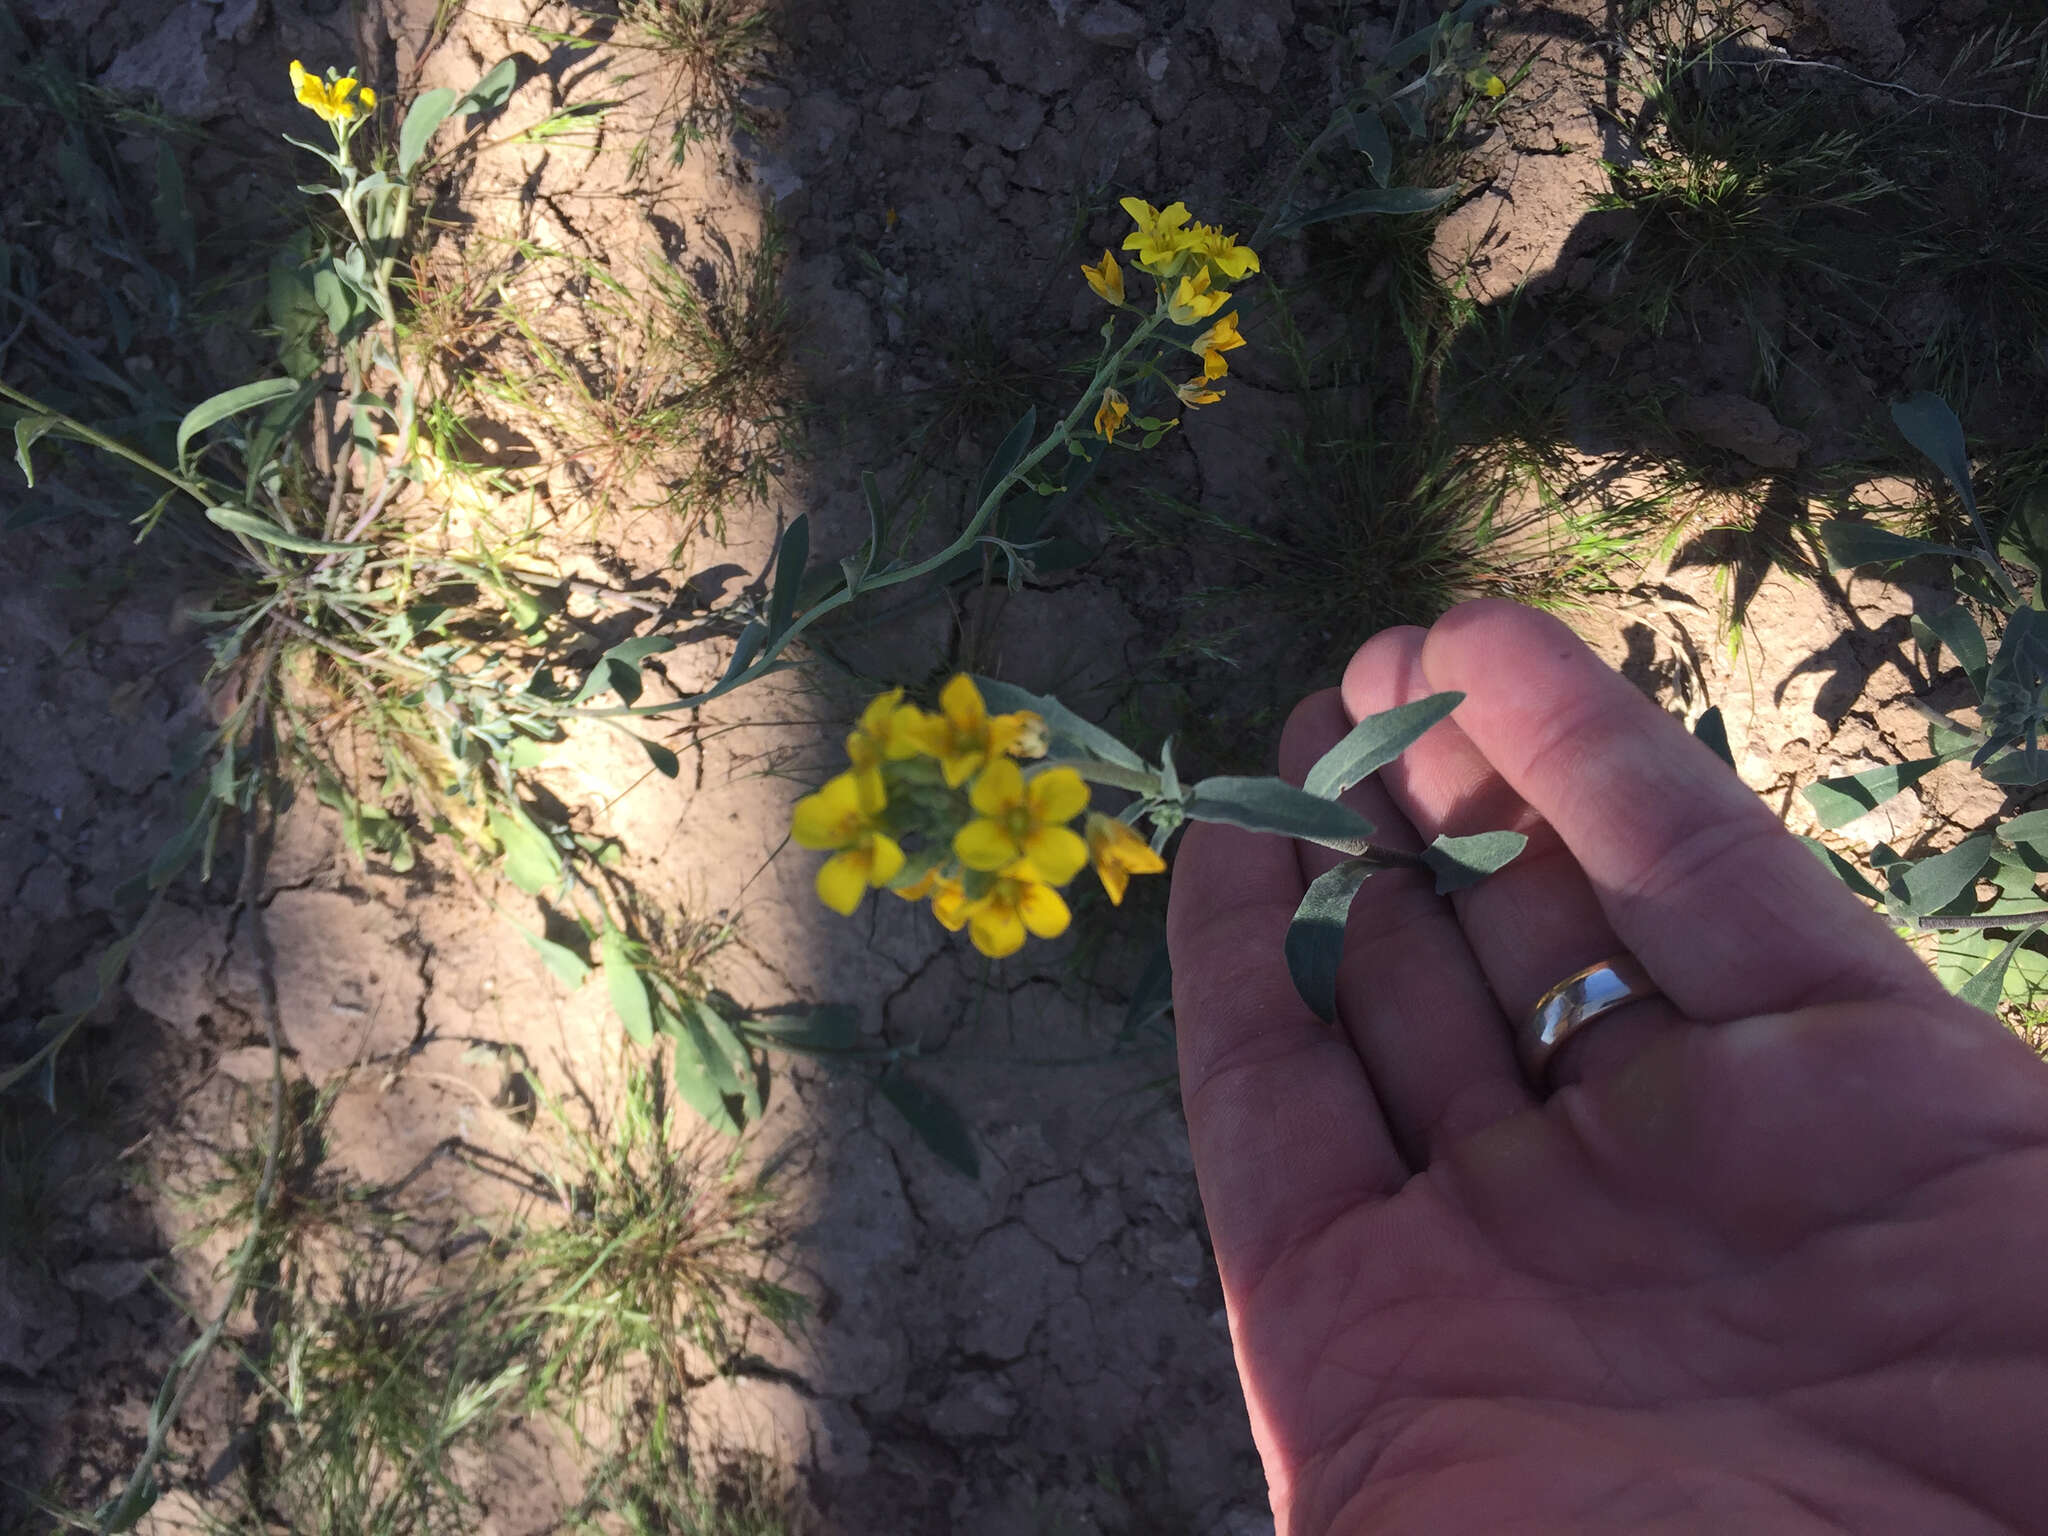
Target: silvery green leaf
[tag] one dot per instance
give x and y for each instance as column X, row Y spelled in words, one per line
column 1008, row 452
column 1375, row 742
column 1929, row 425
column 1071, row 735
column 429, row 110
column 1459, row 862
column 791, row 556
column 1986, row 989
column 824, row 1030
column 1925, row 886
column 1711, row 729
column 493, row 90
column 1837, row 802
column 229, row 402
column 618, row 669
column 1272, row 805
column 626, row 986
column 1315, row 938
column 1842, row 869
column 1850, row 544
column 1954, row 629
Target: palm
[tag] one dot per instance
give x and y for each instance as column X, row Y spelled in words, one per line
column 1769, row 1273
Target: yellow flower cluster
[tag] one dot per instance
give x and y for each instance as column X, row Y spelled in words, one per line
column 1192, row 262
column 997, row 845
column 336, row 101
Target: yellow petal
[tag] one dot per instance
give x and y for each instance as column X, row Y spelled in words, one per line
column 369, row 98
column 996, row 930
column 959, row 767
column 919, row 888
column 1055, row 854
column 1043, row 911
column 903, row 737
column 1106, row 278
column 827, row 819
column 298, row 76
column 1115, row 880
column 881, row 709
column 961, row 702
column 1058, row 794
column 885, row 859
column 871, row 792
column 985, row 846
column 998, row 788
column 949, row 905
column 1138, row 209
column 843, row 880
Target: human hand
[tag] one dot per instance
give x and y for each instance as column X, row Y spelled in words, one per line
column 1766, row 1257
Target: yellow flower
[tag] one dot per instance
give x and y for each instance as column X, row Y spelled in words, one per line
column 949, row 897
column 331, row 102
column 1119, row 853
column 864, row 855
column 964, row 736
column 1225, row 257
column 1106, row 278
column 1110, row 414
column 887, row 732
column 998, row 921
column 1220, row 338
column 1197, row 392
column 1194, row 300
column 1021, row 827
column 1495, row 86
column 1159, row 239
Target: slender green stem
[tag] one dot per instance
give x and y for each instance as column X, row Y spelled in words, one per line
column 1979, row 920
column 75, row 428
column 1060, row 434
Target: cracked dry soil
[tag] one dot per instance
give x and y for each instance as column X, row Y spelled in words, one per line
column 1042, row 1348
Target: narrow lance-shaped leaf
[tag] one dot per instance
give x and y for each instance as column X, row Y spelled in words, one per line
column 1954, row 629
column 825, row 1030
column 1928, row 424
column 567, row 966
column 791, row 556
column 229, row 402
column 1007, row 453
column 1837, row 802
column 264, row 531
column 1927, row 885
column 1375, row 742
column 1986, row 989
column 1711, row 729
column 695, row 1084
column 1271, row 805
column 1459, row 862
column 626, row 986
column 1071, row 735
column 618, row 669
column 429, row 110
column 1842, row 869
column 1390, row 200
column 1850, row 544
column 1315, row 938
column 28, row 431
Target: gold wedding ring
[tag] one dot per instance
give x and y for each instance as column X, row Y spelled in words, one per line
column 1576, row 1002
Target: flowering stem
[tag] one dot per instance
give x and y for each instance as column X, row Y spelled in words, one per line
column 982, row 514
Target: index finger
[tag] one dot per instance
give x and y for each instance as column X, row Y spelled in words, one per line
column 1726, row 910
column 1286, row 1130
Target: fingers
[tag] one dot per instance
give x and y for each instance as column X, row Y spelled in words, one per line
column 1409, row 992
column 1285, row 1128
column 1535, row 922
column 1729, row 913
